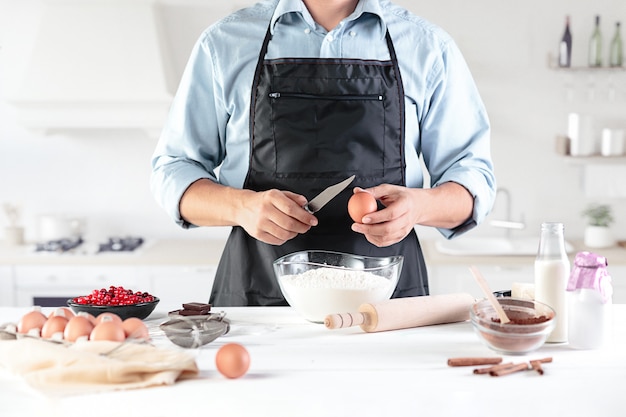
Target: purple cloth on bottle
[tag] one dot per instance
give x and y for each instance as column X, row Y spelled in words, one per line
column 590, row 272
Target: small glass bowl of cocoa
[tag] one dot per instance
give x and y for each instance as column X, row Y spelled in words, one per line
column 531, row 322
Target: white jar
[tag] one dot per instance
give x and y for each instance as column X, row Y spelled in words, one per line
column 590, row 320
column 590, row 306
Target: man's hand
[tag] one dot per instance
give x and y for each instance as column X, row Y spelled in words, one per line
column 272, row 216
column 275, row 217
column 447, row 206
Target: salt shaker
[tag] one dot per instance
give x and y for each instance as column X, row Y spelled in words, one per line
column 552, row 270
column 590, row 293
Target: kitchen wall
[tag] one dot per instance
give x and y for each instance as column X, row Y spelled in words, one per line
column 103, row 176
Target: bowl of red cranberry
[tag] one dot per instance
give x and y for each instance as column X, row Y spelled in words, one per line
column 119, row 300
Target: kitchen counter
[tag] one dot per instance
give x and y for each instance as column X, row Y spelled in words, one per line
column 159, row 252
column 303, row 369
column 616, row 255
column 208, row 251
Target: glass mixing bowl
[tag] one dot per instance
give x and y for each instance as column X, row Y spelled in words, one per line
column 531, row 324
column 317, row 283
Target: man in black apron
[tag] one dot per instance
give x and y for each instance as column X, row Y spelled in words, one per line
column 313, row 123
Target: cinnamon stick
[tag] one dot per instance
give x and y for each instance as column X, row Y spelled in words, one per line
column 543, row 360
column 493, row 368
column 510, row 370
column 537, row 367
column 536, row 364
column 474, row 361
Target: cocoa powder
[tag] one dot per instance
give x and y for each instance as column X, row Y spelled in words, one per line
column 522, row 320
column 515, row 338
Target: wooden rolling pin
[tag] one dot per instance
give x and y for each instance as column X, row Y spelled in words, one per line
column 404, row 313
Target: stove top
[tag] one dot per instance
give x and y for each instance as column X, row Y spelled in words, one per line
column 121, row 244
column 127, row 244
column 61, row 245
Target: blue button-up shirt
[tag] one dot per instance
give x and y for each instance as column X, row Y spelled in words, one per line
column 206, row 134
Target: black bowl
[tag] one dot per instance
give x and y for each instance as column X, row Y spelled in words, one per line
column 140, row 310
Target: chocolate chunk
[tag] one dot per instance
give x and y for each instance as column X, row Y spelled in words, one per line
column 186, row 312
column 197, row 306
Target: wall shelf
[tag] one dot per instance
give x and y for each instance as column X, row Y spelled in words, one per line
column 595, row 160
column 588, row 70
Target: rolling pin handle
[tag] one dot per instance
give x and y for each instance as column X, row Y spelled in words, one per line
column 339, row 321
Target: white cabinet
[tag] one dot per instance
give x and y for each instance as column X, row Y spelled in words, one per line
column 176, row 271
column 6, row 286
column 52, row 285
column 179, row 284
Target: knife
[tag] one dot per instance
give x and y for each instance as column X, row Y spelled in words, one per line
column 325, row 196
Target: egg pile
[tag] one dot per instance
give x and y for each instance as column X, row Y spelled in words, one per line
column 63, row 324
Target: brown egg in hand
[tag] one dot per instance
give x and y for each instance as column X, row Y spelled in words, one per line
column 361, row 204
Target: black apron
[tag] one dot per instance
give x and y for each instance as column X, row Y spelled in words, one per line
column 313, row 123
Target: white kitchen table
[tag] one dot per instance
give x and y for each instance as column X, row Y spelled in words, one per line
column 303, row 369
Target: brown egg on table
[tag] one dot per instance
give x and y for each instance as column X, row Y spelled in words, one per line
column 78, row 327
column 232, row 360
column 33, row 320
column 361, row 204
column 62, row 311
column 54, row 327
column 135, row 328
column 108, row 330
column 108, row 316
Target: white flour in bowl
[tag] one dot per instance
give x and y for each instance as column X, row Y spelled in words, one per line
column 322, row 291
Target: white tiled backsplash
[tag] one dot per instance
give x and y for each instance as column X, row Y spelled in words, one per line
column 605, row 181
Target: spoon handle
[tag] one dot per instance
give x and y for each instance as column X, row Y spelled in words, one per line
column 492, row 299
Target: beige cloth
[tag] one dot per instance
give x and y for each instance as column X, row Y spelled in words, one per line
column 61, row 370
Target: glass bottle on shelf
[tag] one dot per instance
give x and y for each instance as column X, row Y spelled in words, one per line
column 617, row 52
column 595, row 45
column 565, row 46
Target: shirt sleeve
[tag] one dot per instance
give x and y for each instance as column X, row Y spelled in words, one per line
column 190, row 146
column 455, row 135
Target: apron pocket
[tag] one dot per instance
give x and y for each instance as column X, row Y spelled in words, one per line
column 316, row 130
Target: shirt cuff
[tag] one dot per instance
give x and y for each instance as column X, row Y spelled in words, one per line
column 169, row 187
column 482, row 188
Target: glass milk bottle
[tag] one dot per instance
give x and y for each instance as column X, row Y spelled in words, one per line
column 590, row 294
column 552, row 270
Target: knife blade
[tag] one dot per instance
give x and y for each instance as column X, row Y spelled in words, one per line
column 325, row 196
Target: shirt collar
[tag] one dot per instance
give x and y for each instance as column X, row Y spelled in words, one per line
column 297, row 6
